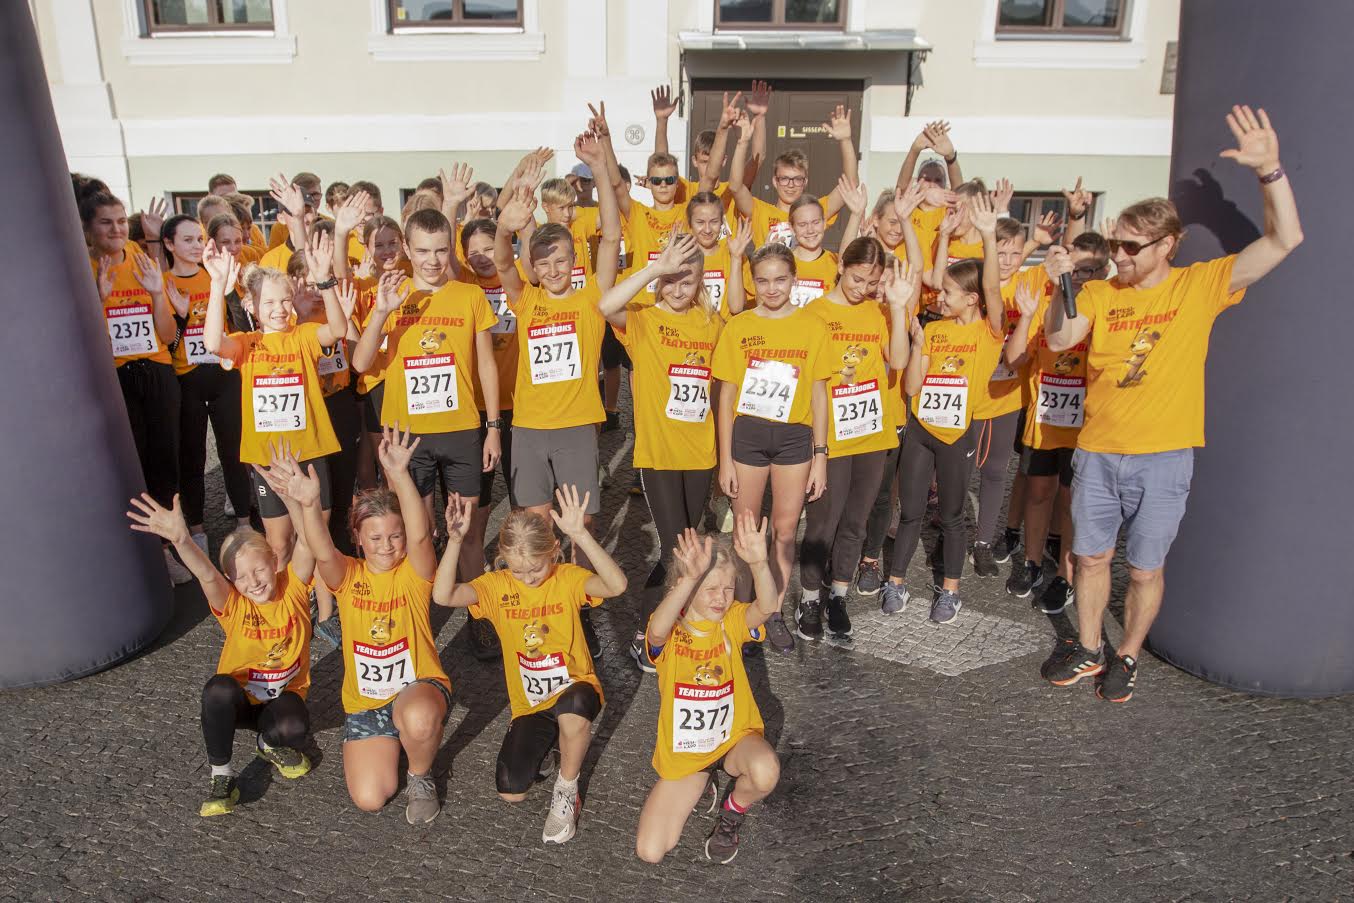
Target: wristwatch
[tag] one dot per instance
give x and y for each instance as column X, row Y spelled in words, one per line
column 950, row 160
column 496, row 423
column 820, row 450
column 326, row 284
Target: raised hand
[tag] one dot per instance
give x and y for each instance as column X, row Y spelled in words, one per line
column 909, row 199
column 152, row 517
column 460, row 511
column 177, row 299
column 899, row 284
column 983, row 214
column 1047, row 230
column 939, row 195
column 1257, row 142
column 588, row 148
column 320, row 255
column 572, row 511
column 289, row 478
column 216, row 262
column 923, row 139
column 741, row 240
column 148, row 274
column 744, row 126
column 105, row 277
column 1026, row 301
column 749, row 538
column 855, row 196
column 287, row 195
column 1108, row 225
column 1078, row 200
column 1001, row 195
column 759, row 100
column 663, row 104
column 351, row 212
column 680, row 246
column 939, row 133
column 952, row 219
column 1057, row 262
column 456, row 185
column 838, row 125
column 396, row 449
column 153, row 217
column 917, row 334
column 347, row 295
column 694, row 554
column 598, row 124
column 517, row 212
column 730, row 111
column 389, row 294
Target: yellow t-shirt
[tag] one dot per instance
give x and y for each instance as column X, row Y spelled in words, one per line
column 926, row 223
column 430, row 342
column 770, row 223
column 1146, row 363
column 705, row 703
column 772, row 363
column 128, row 316
column 277, row 257
column 334, row 367
column 689, row 188
column 1004, row 392
column 1057, row 389
column 585, row 228
column 559, row 344
column 718, row 264
column 280, row 397
column 960, row 358
column 190, row 350
column 256, row 239
column 278, row 233
column 674, row 426
column 387, row 638
column 504, row 336
column 267, row 647
column 957, row 250
column 650, row 230
column 813, row 278
column 544, row 650
column 863, row 416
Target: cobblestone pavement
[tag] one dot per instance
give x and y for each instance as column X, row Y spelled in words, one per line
column 923, row 762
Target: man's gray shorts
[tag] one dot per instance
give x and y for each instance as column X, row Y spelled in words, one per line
column 545, row 459
column 1145, row 494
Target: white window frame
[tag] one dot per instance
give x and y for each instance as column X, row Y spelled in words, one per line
column 275, row 45
column 426, row 44
column 1072, row 51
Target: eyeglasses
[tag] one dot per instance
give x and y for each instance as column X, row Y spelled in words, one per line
column 662, row 180
column 791, row 180
column 1087, row 273
column 1131, row 248
column 313, row 197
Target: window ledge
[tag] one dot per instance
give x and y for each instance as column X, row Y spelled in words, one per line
column 212, row 50
column 480, row 44
column 1064, row 53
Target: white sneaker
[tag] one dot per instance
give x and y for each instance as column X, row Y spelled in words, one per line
column 561, row 822
column 229, row 508
column 726, row 519
column 200, row 540
column 178, row 574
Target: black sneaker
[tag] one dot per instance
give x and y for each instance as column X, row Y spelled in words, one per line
column 1053, row 548
column 483, row 639
column 1056, row 597
column 1025, row 578
column 1006, row 546
column 722, row 844
column 641, row 659
column 612, row 423
column 636, row 485
column 1070, row 662
column 838, row 621
column 590, row 634
column 869, row 578
column 984, row 564
column 1120, row 677
column 778, row 635
column 809, row 619
column 225, row 794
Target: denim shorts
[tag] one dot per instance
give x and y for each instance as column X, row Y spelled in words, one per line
column 1145, row 494
column 381, row 722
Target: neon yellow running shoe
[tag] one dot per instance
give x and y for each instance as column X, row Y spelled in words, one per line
column 290, row 763
column 225, row 794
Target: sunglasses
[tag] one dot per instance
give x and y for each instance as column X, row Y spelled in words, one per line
column 662, row 180
column 1131, row 248
column 1088, row 273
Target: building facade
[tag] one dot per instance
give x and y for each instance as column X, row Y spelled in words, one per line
column 154, row 96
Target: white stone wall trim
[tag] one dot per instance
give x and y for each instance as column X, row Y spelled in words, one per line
column 1070, row 52
column 473, row 44
column 1120, row 137
column 277, row 47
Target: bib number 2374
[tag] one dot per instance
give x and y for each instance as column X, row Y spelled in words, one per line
column 768, row 389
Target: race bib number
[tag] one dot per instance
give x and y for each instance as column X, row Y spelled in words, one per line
column 131, row 329
column 714, row 288
column 806, row 290
column 1002, row 371
column 553, row 351
column 578, row 278
column 332, row 360
column 689, row 393
column 1062, row 400
column 195, row 348
column 653, row 283
column 279, row 403
column 781, row 233
column 264, row 686
column 430, row 383
column 857, row 410
column 944, row 402
column 498, row 300
column 768, row 389
column 702, row 717
column 543, row 677
column 382, row 671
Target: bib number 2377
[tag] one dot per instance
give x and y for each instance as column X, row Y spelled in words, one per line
column 279, row 403
column 702, row 717
column 553, row 353
column 430, row 383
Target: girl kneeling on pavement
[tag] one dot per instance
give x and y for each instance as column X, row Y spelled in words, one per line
column 707, row 714
column 264, row 671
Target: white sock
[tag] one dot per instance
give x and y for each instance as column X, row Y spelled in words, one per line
column 837, row 592
column 223, row 771
column 810, row 595
column 562, row 784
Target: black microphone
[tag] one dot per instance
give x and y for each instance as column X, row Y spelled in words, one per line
column 1069, row 302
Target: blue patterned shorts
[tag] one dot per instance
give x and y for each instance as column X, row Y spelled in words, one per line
column 381, row 722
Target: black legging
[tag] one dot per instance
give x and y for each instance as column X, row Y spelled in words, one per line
column 151, row 393
column 346, row 418
column 530, row 738
column 208, row 393
column 676, row 501
column 921, row 454
column 877, row 525
column 835, row 523
column 284, row 721
column 995, row 443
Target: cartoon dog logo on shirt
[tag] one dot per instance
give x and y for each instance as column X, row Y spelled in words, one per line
column 380, row 629
column 1066, row 363
column 952, row 364
column 694, row 360
column 851, row 359
column 708, row 675
column 431, row 340
column 533, row 638
column 1142, row 345
column 198, row 311
column 273, row 658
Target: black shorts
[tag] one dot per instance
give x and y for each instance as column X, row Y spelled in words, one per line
column 272, row 506
column 1040, row 462
column 531, row 737
column 371, row 407
column 758, row 442
column 1018, row 443
column 457, row 456
column 613, row 352
column 504, row 462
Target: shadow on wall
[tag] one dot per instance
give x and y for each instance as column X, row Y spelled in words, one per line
column 1201, row 202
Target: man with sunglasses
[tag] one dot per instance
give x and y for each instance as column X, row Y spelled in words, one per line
column 1147, row 330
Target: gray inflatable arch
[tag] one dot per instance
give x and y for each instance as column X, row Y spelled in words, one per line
column 80, row 591
column 1258, row 589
